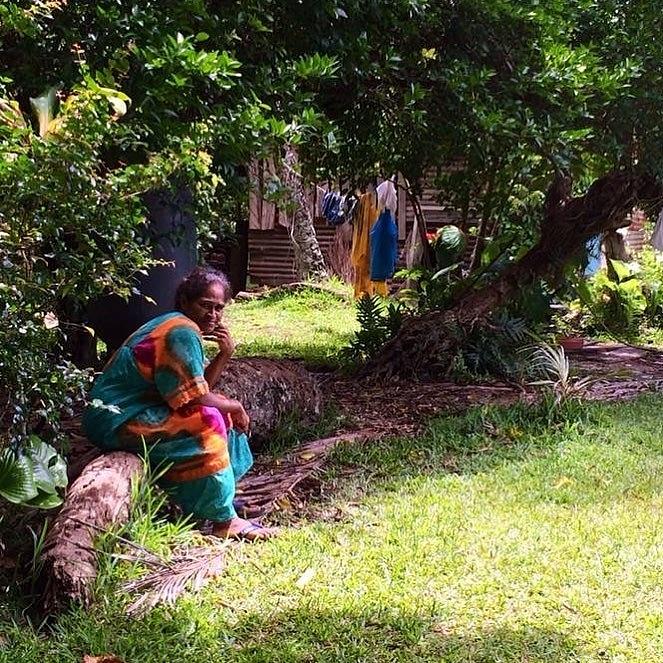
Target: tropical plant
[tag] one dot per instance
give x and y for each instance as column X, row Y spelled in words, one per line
column 378, row 321
column 493, row 349
column 32, row 474
column 616, row 301
column 651, row 275
column 553, row 365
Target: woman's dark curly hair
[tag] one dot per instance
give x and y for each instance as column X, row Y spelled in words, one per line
column 195, row 285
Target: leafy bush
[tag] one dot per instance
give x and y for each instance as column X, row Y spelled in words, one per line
column 71, row 229
column 625, row 300
column 429, row 290
column 651, row 274
column 493, row 349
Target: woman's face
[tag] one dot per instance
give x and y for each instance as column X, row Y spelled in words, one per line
column 207, row 310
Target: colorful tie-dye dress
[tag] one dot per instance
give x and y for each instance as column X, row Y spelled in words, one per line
column 142, row 402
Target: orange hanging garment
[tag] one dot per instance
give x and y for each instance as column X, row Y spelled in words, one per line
column 361, row 248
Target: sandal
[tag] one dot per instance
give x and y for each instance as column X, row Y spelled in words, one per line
column 252, row 531
column 255, row 532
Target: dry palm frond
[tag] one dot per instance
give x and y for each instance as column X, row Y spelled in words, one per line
column 263, row 492
column 553, row 364
column 187, row 569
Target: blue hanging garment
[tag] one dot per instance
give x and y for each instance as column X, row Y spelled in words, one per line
column 332, row 208
column 593, row 255
column 384, row 247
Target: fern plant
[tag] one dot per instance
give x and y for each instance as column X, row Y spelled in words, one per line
column 378, row 323
column 494, row 349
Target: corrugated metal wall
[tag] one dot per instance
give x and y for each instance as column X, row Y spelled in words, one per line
column 271, row 255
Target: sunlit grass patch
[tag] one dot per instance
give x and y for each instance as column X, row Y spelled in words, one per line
column 504, row 534
column 306, row 324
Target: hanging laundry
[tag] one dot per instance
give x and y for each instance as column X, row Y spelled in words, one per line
column 594, row 255
column 384, row 247
column 657, row 235
column 337, row 208
column 387, row 196
column 350, row 207
column 361, row 252
column 331, row 207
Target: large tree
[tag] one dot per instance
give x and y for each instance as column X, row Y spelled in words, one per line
column 552, row 108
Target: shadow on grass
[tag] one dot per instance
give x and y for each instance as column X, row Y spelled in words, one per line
column 294, row 636
column 389, row 635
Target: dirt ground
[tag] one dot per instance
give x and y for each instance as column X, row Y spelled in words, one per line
column 402, row 408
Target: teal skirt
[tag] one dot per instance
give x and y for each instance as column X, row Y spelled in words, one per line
column 211, row 498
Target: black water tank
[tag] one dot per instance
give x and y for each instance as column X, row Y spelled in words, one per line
column 172, row 230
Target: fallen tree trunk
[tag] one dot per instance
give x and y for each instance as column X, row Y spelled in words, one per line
column 426, row 342
column 271, row 390
column 97, row 500
column 100, row 497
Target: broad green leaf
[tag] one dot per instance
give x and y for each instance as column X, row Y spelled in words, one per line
column 50, row 469
column 17, row 483
column 621, row 269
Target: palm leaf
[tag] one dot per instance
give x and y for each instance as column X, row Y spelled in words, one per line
column 189, row 570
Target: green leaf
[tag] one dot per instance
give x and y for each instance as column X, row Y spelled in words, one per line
column 50, row 469
column 17, row 483
column 45, row 501
column 622, row 270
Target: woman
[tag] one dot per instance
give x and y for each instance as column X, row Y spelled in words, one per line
column 154, row 394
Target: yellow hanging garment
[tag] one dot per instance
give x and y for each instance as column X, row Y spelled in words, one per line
column 361, row 247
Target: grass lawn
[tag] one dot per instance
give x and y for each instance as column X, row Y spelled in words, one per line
column 307, row 324
column 497, row 536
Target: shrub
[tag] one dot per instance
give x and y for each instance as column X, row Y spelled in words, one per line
column 625, row 300
column 71, row 229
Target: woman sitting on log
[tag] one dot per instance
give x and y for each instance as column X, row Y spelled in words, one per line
column 154, row 395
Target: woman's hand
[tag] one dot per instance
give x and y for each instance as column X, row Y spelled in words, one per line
column 241, row 420
column 224, row 340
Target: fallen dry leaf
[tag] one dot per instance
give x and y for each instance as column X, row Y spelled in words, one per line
column 305, row 578
column 104, row 658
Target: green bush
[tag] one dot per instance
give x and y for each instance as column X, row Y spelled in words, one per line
column 71, row 229
column 626, row 300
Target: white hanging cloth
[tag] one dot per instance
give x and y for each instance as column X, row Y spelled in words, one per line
column 387, row 196
column 657, row 235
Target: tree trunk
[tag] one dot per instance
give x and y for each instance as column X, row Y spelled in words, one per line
column 309, row 261
column 100, row 497
column 427, row 340
column 271, row 390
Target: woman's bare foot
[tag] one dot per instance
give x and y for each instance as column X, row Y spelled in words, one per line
column 244, row 530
